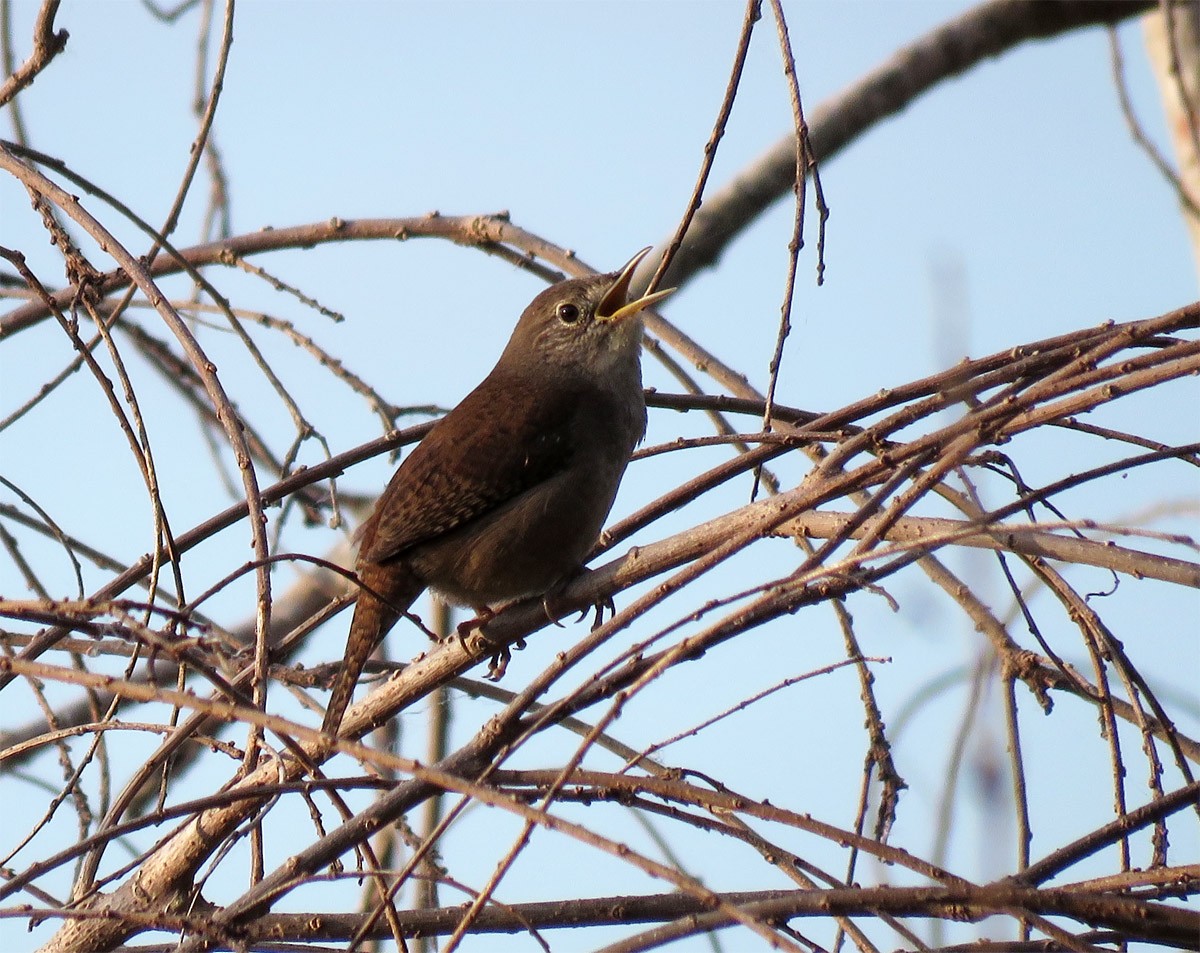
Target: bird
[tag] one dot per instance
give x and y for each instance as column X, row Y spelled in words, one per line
column 507, row 494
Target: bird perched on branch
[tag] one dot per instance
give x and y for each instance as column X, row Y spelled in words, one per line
column 507, row 494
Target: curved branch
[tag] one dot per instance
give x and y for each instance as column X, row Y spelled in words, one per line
column 988, row 30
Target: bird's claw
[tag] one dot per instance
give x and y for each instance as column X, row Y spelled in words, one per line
column 498, row 663
column 598, row 608
column 551, row 617
column 464, row 628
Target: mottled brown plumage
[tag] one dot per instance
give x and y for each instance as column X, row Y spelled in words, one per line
column 508, row 492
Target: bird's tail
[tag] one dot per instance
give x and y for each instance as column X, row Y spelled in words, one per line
column 387, row 592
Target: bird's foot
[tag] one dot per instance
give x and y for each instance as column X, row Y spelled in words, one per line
column 601, row 605
column 599, row 608
column 498, row 663
column 464, row 629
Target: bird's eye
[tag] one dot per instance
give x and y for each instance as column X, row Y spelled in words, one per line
column 567, row 313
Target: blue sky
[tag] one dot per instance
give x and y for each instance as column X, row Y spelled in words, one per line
column 586, row 121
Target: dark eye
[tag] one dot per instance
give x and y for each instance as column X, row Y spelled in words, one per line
column 567, row 313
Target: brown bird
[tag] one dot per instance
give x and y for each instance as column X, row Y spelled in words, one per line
column 507, row 494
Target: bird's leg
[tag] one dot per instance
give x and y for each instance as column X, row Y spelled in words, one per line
column 498, row 663
column 483, row 615
column 599, row 607
column 558, row 588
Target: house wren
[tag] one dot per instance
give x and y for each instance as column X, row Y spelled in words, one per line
column 508, row 492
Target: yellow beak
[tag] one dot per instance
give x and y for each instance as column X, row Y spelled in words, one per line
column 614, row 307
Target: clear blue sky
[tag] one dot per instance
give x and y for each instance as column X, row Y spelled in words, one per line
column 587, row 122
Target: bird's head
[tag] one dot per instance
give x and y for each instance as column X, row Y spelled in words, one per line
column 587, row 327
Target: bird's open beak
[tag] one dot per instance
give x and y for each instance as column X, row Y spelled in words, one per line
column 614, row 307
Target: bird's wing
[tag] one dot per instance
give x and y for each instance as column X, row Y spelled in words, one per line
column 515, row 441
